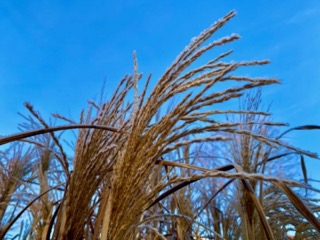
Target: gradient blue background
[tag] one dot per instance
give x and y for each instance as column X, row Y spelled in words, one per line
column 56, row 54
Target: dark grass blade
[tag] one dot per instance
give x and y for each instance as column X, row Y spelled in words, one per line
column 54, row 216
column 183, row 184
column 275, row 157
column 19, row 136
column 299, row 205
column 304, row 127
column 213, row 197
column 9, row 225
column 304, row 169
column 171, row 191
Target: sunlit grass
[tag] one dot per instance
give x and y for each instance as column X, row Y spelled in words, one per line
column 138, row 172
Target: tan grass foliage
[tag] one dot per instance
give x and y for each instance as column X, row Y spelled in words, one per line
column 120, row 183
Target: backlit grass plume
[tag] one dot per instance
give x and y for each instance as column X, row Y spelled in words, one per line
column 120, row 167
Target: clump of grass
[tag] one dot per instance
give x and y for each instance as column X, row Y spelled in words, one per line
column 133, row 155
column 119, row 175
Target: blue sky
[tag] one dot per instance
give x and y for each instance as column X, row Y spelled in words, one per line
column 56, row 54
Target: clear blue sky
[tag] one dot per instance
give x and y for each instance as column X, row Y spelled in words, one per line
column 56, row 54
